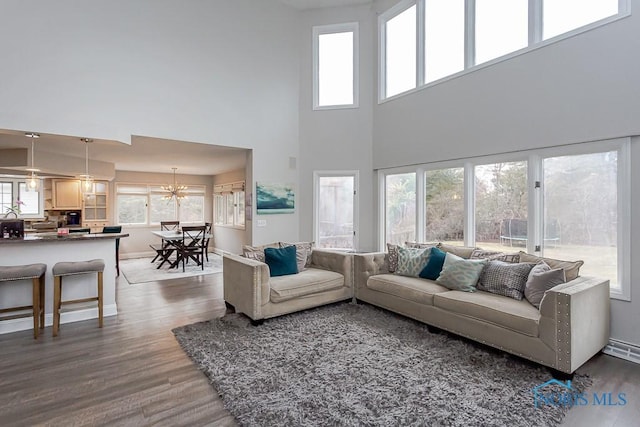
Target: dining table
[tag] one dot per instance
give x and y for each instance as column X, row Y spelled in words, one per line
column 174, row 239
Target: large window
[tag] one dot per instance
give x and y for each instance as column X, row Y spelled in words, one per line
column 335, row 55
column 335, row 210
column 568, row 203
column 14, row 193
column 399, row 34
column 400, row 208
column 422, row 41
column 229, row 205
column 143, row 204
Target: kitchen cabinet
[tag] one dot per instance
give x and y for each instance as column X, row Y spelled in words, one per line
column 66, row 194
column 95, row 206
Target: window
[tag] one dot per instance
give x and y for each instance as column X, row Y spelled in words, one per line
column 14, row 189
column 144, row 204
column 501, row 206
column 444, row 205
column 399, row 35
column 423, row 41
column 335, row 210
column 443, row 38
column 400, row 208
column 335, row 56
column 568, row 202
column 561, row 16
column 229, row 205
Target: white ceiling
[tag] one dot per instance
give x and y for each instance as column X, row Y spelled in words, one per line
column 145, row 154
column 315, row 4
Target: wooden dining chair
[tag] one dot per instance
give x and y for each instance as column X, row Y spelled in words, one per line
column 165, row 250
column 192, row 245
column 207, row 232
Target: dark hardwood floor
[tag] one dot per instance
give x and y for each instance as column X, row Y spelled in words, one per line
column 133, row 372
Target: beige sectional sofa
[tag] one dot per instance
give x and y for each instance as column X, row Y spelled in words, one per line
column 571, row 325
column 249, row 289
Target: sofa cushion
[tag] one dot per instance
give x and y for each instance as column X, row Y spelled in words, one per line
column 434, row 266
column 461, row 251
column 281, row 261
column 504, row 278
column 307, row 282
column 541, row 279
column 411, row 261
column 409, row 288
column 519, row 316
column 571, row 268
column 460, row 274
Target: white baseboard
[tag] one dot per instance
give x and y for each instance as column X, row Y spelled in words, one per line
column 26, row 323
column 623, row 350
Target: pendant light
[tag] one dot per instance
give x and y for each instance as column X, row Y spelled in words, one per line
column 33, row 182
column 87, row 180
column 174, row 191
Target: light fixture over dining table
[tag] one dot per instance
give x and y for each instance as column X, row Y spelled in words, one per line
column 174, row 190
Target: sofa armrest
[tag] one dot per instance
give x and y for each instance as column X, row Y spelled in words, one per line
column 367, row 265
column 575, row 320
column 246, row 284
column 338, row 262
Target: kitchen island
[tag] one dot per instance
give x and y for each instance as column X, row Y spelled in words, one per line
column 48, row 248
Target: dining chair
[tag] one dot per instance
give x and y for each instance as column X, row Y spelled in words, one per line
column 165, row 250
column 207, row 232
column 192, row 245
column 115, row 229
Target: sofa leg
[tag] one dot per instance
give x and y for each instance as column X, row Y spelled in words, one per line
column 257, row 322
column 561, row 376
column 230, row 307
column 434, row 329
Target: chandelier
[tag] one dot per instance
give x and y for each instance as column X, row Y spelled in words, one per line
column 174, row 191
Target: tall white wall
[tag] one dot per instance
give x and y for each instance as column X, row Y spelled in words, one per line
column 222, row 72
column 337, row 139
column 580, row 89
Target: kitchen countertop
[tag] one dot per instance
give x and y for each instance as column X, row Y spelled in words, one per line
column 53, row 237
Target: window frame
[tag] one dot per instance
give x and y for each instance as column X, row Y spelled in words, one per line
column 147, row 190
column 236, row 212
column 534, row 159
column 15, row 195
column 319, row 30
column 535, row 40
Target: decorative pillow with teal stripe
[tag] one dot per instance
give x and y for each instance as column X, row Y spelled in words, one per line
column 461, row 274
column 411, row 261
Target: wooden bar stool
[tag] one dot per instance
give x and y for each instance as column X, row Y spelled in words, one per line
column 62, row 269
column 35, row 272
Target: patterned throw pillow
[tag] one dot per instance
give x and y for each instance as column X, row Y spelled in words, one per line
column 435, row 264
column 257, row 252
column 392, row 250
column 460, row 274
column 504, row 278
column 301, row 257
column 461, row 251
column 411, row 261
column 307, row 247
column 541, row 279
column 420, row 245
column 495, row 256
column 571, row 268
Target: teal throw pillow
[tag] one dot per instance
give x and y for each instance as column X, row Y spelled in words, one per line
column 461, row 274
column 411, row 261
column 281, row 261
column 434, row 266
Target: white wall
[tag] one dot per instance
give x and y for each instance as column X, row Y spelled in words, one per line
column 580, row 89
column 337, row 139
column 222, row 72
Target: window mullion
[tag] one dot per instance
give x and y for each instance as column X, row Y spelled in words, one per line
column 469, row 205
column 535, row 21
column 469, row 33
column 421, row 220
column 420, row 45
column 535, row 225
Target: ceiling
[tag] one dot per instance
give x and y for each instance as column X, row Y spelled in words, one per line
column 145, row 154
column 316, row 4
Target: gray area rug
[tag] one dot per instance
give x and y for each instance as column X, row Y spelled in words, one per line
column 358, row 365
column 141, row 270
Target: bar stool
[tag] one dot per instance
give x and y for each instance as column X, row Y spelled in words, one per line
column 62, row 269
column 35, row 272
